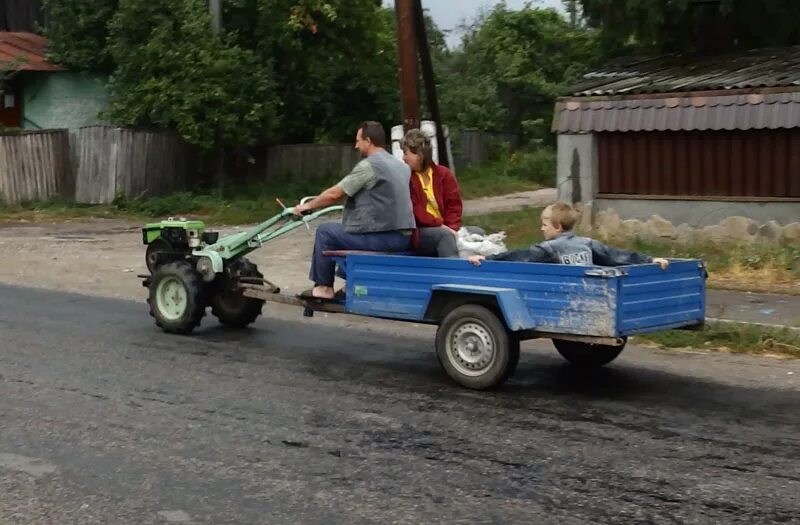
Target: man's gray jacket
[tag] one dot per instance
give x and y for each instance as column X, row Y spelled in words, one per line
column 386, row 206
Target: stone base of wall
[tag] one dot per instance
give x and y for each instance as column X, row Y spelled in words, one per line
column 607, row 224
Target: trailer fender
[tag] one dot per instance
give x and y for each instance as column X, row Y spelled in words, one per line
column 507, row 302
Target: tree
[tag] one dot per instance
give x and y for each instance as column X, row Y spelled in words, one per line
column 172, row 72
column 692, row 25
column 510, row 67
column 334, row 62
column 77, row 31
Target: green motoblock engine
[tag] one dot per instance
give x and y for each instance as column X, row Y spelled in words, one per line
column 174, row 239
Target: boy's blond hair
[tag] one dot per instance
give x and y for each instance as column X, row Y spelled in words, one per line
column 562, row 214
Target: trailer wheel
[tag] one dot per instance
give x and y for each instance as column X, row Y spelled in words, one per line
column 587, row 355
column 474, row 347
column 177, row 299
column 229, row 304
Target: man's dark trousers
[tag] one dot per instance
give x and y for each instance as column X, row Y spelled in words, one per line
column 331, row 236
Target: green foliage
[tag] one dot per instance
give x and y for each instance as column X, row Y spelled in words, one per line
column 510, row 68
column 172, row 72
column 508, row 172
column 334, row 62
column 78, row 33
column 733, row 337
column 683, row 25
column 723, row 255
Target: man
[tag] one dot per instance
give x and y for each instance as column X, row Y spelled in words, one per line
column 377, row 213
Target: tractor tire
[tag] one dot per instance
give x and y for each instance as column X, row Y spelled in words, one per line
column 475, row 348
column 177, row 297
column 154, row 250
column 229, row 305
column 587, row 355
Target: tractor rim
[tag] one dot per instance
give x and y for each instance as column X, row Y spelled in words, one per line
column 172, row 298
column 472, row 348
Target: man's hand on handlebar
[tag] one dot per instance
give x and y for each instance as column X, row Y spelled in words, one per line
column 301, row 209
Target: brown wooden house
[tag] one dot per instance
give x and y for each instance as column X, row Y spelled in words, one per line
column 694, row 140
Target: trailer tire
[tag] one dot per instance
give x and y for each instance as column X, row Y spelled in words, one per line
column 475, row 348
column 514, row 343
column 587, row 355
column 177, row 297
column 230, row 306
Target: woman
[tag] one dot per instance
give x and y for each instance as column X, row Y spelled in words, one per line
column 435, row 197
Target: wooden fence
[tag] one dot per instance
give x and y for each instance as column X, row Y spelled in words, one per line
column 314, row 162
column 300, row 162
column 35, row 166
column 473, row 147
column 94, row 164
column 108, row 161
column 91, row 165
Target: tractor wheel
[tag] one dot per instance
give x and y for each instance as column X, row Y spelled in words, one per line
column 177, row 297
column 587, row 355
column 229, row 305
column 154, row 250
column 475, row 348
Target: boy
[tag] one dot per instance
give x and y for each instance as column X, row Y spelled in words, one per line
column 563, row 246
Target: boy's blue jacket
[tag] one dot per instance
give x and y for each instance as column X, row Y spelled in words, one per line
column 568, row 248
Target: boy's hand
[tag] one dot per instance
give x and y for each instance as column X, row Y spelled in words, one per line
column 476, row 259
column 663, row 263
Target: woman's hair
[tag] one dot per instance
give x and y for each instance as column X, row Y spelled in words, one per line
column 416, row 142
column 561, row 214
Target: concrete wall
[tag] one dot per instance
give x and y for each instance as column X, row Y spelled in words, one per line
column 576, row 176
column 699, row 214
column 62, row 100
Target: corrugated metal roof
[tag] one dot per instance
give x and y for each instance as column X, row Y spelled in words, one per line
column 25, row 51
column 679, row 113
column 757, row 68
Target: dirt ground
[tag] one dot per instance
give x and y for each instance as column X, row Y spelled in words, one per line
column 102, row 257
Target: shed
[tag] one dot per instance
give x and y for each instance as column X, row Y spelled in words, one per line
column 694, row 139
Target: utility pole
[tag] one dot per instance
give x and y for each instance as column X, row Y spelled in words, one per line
column 215, row 8
column 429, row 80
column 407, row 47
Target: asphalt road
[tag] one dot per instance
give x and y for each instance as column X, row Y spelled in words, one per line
column 104, row 419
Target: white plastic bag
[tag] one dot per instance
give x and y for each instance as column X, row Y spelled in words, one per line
column 477, row 244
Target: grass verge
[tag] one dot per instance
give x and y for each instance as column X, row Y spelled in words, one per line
column 732, row 338
column 521, row 227
column 751, row 266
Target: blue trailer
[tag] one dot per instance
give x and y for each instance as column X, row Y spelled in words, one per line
column 482, row 312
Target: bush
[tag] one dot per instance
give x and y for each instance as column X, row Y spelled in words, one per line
column 538, row 165
column 509, row 172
